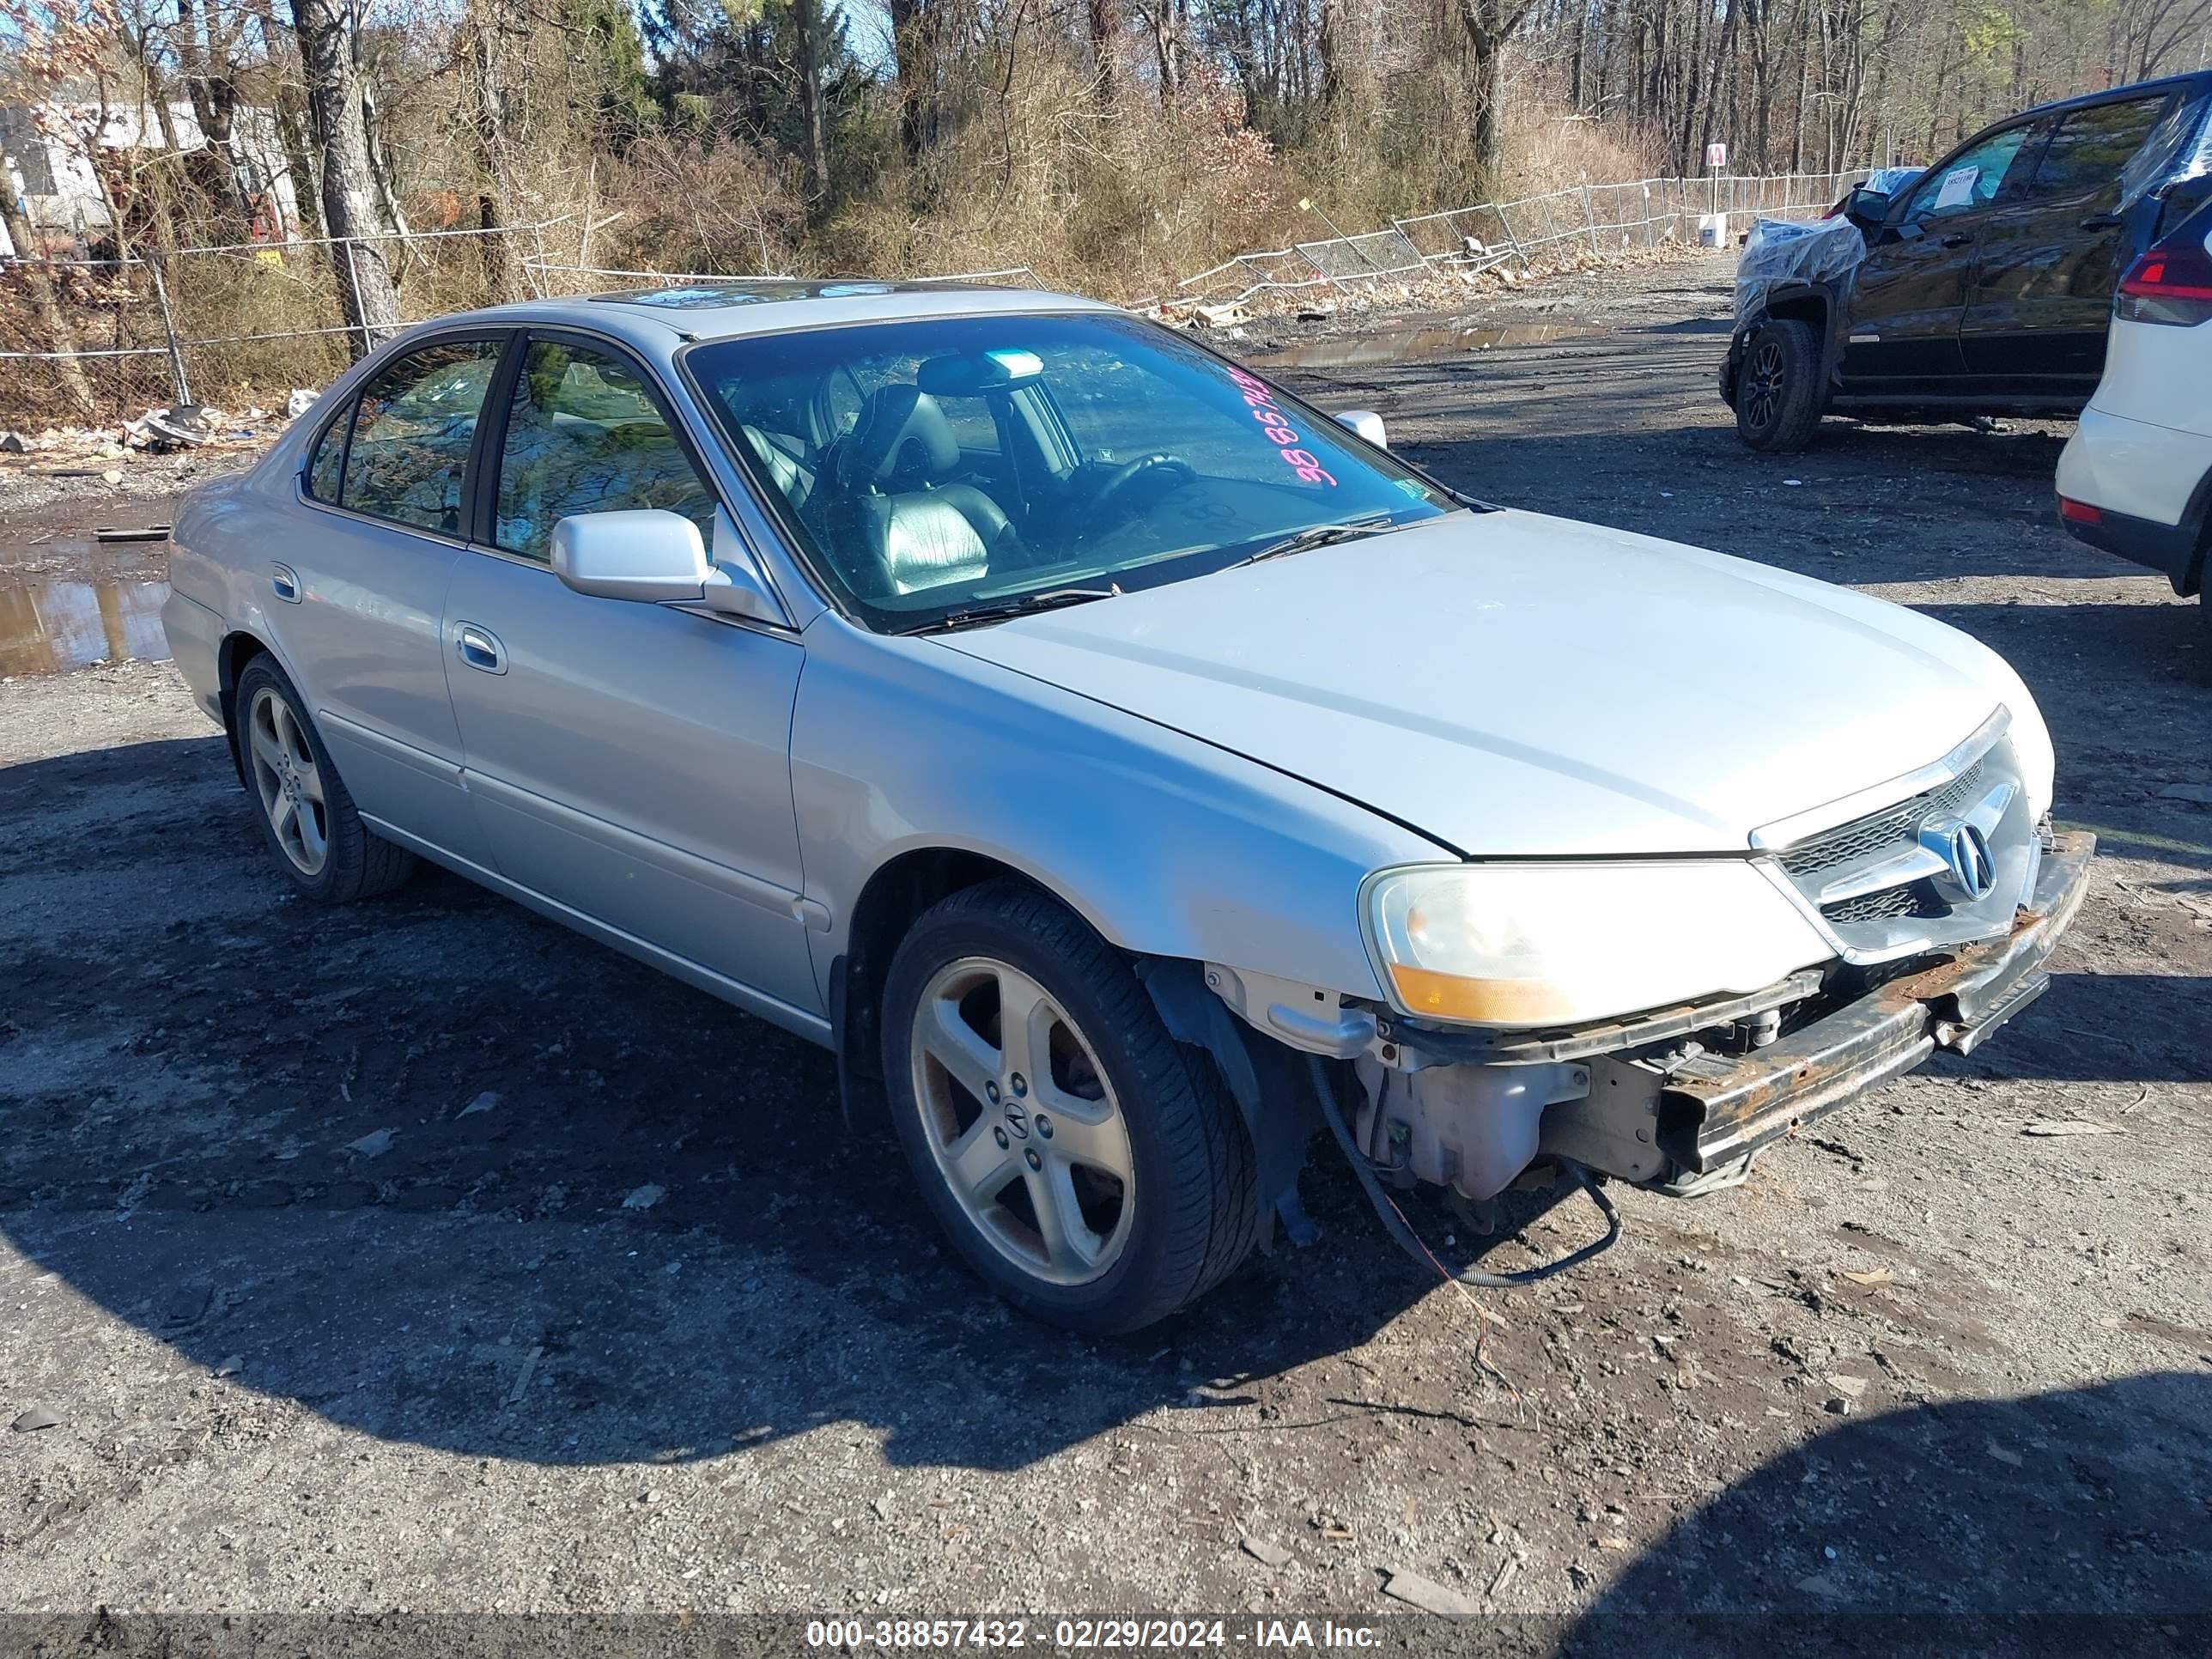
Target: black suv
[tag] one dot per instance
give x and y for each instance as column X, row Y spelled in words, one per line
column 1988, row 282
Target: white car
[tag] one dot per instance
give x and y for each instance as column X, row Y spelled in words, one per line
column 2136, row 478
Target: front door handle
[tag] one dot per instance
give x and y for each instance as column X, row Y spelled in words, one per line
column 1957, row 239
column 480, row 647
column 284, row 582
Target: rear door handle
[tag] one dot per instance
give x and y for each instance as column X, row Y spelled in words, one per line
column 2103, row 221
column 284, row 582
column 480, row 647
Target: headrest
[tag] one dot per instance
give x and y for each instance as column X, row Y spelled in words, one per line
column 900, row 435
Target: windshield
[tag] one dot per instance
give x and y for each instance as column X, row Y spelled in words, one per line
column 935, row 468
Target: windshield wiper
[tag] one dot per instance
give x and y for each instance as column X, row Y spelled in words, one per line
column 1319, row 535
column 1017, row 604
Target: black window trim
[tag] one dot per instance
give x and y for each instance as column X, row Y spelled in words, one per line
column 406, row 345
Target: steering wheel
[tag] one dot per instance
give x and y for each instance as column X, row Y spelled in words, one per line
column 1128, row 472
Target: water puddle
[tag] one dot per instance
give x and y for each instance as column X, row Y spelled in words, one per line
column 1417, row 345
column 48, row 626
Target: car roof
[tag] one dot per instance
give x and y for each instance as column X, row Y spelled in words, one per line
column 679, row 313
column 2195, row 81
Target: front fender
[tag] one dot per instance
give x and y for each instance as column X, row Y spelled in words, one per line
column 1821, row 302
column 1166, row 845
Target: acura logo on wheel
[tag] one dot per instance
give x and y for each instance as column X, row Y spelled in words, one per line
column 1017, row 1120
column 1970, row 868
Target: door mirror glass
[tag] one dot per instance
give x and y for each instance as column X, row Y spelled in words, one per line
column 653, row 556
column 1368, row 424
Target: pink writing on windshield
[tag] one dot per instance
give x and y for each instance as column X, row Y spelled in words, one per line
column 1280, row 433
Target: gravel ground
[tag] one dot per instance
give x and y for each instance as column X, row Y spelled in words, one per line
column 422, row 1256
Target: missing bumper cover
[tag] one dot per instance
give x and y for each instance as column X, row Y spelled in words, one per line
column 1723, row 1110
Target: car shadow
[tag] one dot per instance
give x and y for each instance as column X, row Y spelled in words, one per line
column 2061, row 1523
column 444, row 1172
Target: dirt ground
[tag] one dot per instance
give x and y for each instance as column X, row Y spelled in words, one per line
column 422, row 1258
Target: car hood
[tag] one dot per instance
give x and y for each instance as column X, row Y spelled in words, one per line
column 1513, row 684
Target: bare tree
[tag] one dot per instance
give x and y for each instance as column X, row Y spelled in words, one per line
column 38, row 283
column 1487, row 26
column 366, row 293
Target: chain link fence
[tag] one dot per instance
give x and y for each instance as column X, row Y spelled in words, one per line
column 224, row 325
column 237, row 326
column 1636, row 216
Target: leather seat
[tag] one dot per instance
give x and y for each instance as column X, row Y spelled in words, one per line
column 783, row 459
column 911, row 528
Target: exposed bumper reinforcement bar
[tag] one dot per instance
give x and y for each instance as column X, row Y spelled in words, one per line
column 1709, row 1117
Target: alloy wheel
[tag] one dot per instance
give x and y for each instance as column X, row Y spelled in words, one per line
column 288, row 781
column 1022, row 1123
column 1762, row 394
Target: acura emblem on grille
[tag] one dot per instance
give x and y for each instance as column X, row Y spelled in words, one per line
column 1970, row 868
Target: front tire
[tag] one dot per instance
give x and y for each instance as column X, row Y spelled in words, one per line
column 307, row 816
column 1086, row 1164
column 1777, row 391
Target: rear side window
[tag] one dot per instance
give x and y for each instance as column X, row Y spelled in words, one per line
column 585, row 436
column 412, row 434
column 1970, row 180
column 325, row 469
column 2086, row 155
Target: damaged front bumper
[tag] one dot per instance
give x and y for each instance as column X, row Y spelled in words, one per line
column 1714, row 1110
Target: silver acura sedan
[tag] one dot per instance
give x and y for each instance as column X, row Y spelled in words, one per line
column 1128, row 770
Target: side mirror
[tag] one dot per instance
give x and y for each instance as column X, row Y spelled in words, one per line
column 1368, row 424
column 653, row 556
column 1866, row 208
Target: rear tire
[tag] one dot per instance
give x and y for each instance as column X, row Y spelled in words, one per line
column 1777, row 387
column 1088, row 1166
column 305, row 813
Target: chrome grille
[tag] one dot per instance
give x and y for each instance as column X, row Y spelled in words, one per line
column 1915, row 898
column 1891, row 829
column 1884, row 894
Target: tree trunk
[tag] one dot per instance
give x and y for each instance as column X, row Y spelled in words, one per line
column 807, row 17
column 39, row 281
column 916, row 69
column 1720, row 70
column 365, row 294
column 484, row 85
column 214, row 95
column 1485, row 26
column 1103, row 31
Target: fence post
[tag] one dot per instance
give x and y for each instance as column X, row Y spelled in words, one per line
column 178, row 383
column 1589, row 219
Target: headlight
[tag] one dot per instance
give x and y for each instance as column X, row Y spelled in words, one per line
column 1560, row 944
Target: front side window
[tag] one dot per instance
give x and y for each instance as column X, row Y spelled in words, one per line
column 2087, row 155
column 585, row 436
column 1970, row 180
column 412, row 432
column 991, row 457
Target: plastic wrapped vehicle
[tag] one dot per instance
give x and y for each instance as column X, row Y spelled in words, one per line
column 1985, row 284
column 1783, row 250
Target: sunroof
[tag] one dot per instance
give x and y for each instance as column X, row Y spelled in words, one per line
column 755, row 290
